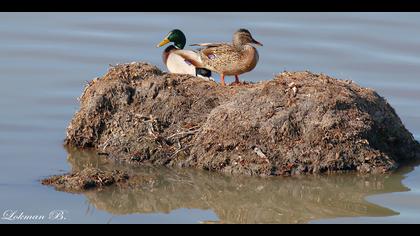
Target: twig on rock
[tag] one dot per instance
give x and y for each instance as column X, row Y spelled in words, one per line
column 183, row 134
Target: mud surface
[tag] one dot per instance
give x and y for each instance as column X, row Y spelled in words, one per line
column 297, row 123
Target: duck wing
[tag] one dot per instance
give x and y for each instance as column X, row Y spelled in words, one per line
column 189, row 57
column 182, row 62
column 222, row 58
column 207, row 45
column 221, row 52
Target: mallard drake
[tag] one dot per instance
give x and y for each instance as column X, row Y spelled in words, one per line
column 228, row 59
column 175, row 57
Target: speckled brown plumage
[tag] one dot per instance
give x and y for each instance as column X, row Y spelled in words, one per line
column 228, row 60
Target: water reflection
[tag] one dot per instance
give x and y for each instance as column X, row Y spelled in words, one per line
column 242, row 199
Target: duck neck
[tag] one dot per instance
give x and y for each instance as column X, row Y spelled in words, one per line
column 180, row 44
column 238, row 44
column 242, row 45
column 166, row 53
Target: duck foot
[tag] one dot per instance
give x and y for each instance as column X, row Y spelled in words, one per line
column 236, row 83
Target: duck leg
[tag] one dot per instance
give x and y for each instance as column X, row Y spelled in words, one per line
column 237, row 79
column 222, row 80
column 237, row 82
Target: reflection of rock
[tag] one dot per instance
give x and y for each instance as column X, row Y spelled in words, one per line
column 242, row 199
column 296, row 123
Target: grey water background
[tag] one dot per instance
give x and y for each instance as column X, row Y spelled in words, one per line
column 47, row 58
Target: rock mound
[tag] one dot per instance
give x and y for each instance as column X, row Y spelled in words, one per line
column 297, row 123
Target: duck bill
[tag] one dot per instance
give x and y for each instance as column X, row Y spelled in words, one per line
column 256, row 42
column 164, row 41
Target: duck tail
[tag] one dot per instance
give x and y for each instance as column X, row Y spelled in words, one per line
column 203, row 72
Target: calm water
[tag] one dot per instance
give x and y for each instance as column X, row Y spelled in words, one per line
column 46, row 58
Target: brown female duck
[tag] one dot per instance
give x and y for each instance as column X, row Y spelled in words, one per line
column 229, row 59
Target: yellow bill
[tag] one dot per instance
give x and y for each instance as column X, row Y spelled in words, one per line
column 164, row 41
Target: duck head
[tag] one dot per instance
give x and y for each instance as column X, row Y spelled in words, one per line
column 243, row 37
column 176, row 36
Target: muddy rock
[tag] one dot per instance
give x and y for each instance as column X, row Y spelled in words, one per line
column 296, row 123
